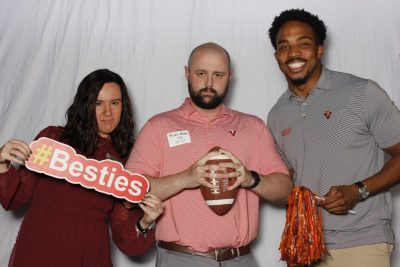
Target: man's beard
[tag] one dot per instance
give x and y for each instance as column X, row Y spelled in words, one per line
column 198, row 99
column 300, row 81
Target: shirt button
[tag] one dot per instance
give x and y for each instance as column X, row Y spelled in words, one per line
column 304, row 103
column 304, row 115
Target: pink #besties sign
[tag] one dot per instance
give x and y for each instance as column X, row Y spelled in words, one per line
column 106, row 176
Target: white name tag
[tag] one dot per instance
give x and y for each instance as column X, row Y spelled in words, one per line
column 178, row 138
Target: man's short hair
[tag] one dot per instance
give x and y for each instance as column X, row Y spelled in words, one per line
column 301, row 15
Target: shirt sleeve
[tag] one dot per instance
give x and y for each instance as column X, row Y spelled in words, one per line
column 16, row 186
column 382, row 115
column 9, row 183
column 146, row 155
column 281, row 154
column 270, row 159
column 124, row 235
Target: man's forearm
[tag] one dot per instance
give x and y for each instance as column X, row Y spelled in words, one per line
column 166, row 187
column 388, row 177
column 274, row 187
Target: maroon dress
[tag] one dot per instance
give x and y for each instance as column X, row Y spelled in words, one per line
column 66, row 224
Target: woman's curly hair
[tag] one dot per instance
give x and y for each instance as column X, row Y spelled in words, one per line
column 80, row 130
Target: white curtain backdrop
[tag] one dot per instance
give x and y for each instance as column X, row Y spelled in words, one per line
column 47, row 47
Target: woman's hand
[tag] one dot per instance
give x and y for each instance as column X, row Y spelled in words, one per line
column 152, row 208
column 13, row 151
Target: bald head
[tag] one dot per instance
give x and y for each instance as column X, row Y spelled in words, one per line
column 208, row 74
column 209, row 48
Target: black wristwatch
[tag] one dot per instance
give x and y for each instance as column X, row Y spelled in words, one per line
column 363, row 191
column 256, row 178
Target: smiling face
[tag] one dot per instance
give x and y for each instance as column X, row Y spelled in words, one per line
column 299, row 56
column 108, row 109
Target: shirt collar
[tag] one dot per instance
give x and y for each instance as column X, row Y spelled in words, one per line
column 188, row 110
column 322, row 84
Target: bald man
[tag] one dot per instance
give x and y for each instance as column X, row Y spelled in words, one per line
column 172, row 149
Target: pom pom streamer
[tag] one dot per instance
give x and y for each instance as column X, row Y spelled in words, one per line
column 302, row 242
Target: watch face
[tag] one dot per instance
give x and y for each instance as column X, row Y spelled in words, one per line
column 364, row 193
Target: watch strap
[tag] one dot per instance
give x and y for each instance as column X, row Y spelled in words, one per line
column 256, row 179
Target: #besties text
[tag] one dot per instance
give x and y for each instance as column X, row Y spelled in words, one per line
column 106, row 176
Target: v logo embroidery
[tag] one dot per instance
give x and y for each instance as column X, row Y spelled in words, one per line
column 232, row 132
column 286, row 131
column 328, row 114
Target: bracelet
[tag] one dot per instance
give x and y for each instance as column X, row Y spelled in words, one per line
column 140, row 230
column 256, row 179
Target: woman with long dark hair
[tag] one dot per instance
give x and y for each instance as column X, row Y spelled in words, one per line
column 66, row 224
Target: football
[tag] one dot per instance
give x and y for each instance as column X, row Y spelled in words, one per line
column 219, row 200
